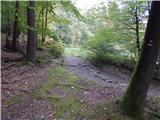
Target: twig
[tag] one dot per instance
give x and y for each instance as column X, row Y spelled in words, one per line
column 21, row 90
column 7, row 66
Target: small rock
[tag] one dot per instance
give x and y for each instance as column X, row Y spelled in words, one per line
column 81, row 101
column 86, row 93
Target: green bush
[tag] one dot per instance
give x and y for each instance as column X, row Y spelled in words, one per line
column 56, row 49
column 102, row 43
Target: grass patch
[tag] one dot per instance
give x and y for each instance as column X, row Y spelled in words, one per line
column 13, row 100
column 67, row 108
column 100, row 111
column 54, row 99
column 76, row 52
column 71, row 108
column 58, row 76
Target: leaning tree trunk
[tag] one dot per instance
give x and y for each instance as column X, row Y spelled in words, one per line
column 31, row 43
column 135, row 96
column 15, row 29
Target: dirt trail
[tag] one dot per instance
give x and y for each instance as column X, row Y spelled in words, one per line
column 109, row 78
column 93, row 85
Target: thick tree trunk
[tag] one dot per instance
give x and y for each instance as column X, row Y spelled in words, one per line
column 15, row 29
column 31, row 43
column 135, row 96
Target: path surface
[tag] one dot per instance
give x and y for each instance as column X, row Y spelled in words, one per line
column 109, row 78
column 61, row 90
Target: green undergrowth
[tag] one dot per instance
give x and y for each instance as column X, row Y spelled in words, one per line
column 99, row 111
column 71, row 108
column 43, row 58
column 79, row 52
column 14, row 100
column 58, row 76
column 67, row 108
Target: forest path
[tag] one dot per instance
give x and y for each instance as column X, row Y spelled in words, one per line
column 113, row 82
column 69, row 89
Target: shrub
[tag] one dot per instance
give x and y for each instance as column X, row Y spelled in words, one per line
column 56, row 49
column 102, row 43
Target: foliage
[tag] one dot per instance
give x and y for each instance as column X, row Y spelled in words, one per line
column 121, row 18
column 69, row 7
column 102, row 43
column 7, row 16
column 56, row 49
column 81, row 52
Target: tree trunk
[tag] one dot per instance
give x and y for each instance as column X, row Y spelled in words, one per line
column 43, row 25
column 137, row 32
column 8, row 35
column 137, row 36
column 31, row 43
column 135, row 96
column 15, row 29
column 46, row 21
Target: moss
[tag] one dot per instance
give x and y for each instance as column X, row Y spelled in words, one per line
column 104, row 110
column 67, row 108
column 54, row 99
column 68, row 85
column 132, row 102
column 58, row 76
column 13, row 100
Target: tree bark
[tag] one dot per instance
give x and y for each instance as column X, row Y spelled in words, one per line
column 135, row 96
column 15, row 29
column 43, row 24
column 8, row 35
column 31, row 43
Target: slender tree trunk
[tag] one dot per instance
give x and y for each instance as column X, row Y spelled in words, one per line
column 38, row 22
column 135, row 96
column 15, row 29
column 43, row 25
column 8, row 35
column 46, row 21
column 31, row 43
column 137, row 37
column 137, row 32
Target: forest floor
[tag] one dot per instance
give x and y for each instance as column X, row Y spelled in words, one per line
column 68, row 88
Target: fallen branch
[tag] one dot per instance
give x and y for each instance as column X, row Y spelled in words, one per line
column 12, row 60
column 4, row 82
column 21, row 90
column 10, row 65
